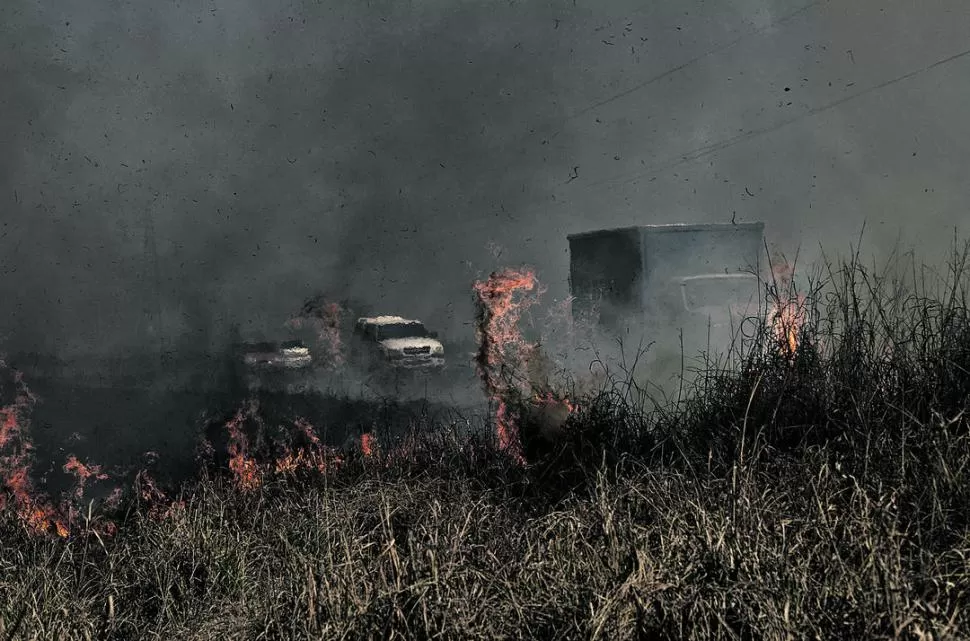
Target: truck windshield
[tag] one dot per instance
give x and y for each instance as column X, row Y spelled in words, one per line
column 719, row 291
column 401, row 330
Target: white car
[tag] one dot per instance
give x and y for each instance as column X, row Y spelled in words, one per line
column 286, row 355
column 295, row 355
column 281, row 366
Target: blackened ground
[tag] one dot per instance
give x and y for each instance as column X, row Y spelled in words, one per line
column 121, row 429
column 118, row 424
column 338, row 421
column 457, row 385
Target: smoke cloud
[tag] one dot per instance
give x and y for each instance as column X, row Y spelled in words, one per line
column 169, row 169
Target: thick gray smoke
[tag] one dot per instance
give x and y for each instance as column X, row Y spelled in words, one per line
column 169, row 168
column 172, row 170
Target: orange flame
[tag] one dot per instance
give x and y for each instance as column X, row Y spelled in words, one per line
column 367, row 444
column 501, row 344
column 246, row 472
column 36, row 513
column 160, row 507
column 304, row 451
column 39, row 515
column 82, row 472
column 313, row 455
column 788, row 314
column 505, row 355
column 550, row 399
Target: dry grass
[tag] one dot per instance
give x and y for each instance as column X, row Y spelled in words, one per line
column 649, row 553
column 824, row 497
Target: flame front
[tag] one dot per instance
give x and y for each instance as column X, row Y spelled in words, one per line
column 160, row 506
column 35, row 512
column 40, row 515
column 504, row 355
column 310, row 455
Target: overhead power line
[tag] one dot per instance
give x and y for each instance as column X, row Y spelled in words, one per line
column 673, row 70
column 637, row 87
column 486, row 221
column 712, row 148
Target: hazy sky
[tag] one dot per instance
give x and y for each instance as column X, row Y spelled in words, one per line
column 393, row 150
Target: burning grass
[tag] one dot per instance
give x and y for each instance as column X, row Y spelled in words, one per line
column 819, row 491
column 513, row 369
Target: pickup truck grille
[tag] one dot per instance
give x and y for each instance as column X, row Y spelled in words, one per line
column 414, row 351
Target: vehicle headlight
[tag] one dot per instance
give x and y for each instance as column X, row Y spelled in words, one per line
column 438, row 350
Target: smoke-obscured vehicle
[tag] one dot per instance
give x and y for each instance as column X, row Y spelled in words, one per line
column 283, row 365
column 396, row 343
column 291, row 354
column 661, row 282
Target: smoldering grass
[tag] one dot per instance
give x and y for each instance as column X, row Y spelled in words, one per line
column 815, row 494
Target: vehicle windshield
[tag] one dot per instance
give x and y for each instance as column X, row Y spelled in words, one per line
column 401, row 330
column 719, row 291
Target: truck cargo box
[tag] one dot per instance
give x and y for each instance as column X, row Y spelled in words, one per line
column 665, row 276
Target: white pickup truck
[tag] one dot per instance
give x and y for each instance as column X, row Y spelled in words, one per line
column 397, row 342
